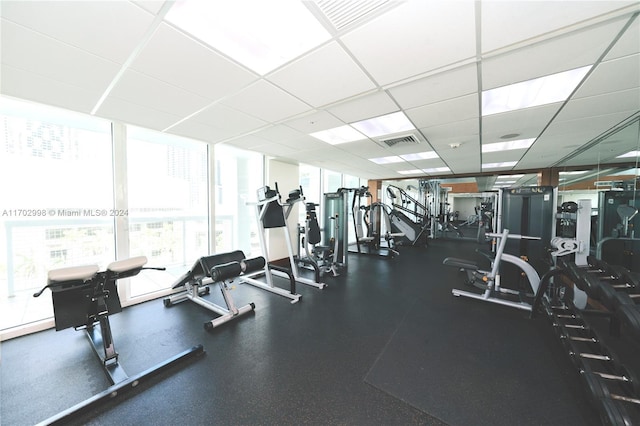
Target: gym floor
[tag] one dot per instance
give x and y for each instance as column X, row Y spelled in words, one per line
column 384, row 344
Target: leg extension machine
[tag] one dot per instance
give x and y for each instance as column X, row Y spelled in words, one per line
column 221, row 269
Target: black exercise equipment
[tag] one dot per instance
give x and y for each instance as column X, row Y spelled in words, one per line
column 322, row 256
column 491, row 280
column 618, row 218
column 220, row 269
column 272, row 213
column 375, row 217
column 412, row 230
column 84, row 298
column 612, row 386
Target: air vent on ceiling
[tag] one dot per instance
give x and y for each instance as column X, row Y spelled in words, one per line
column 342, row 13
column 404, row 139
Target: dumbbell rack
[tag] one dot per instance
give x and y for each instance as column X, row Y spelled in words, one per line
column 612, row 386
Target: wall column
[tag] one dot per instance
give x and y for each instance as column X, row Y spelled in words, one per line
column 549, row 177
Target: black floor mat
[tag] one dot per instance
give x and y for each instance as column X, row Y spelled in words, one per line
column 468, row 362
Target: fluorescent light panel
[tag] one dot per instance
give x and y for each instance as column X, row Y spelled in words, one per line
column 499, row 165
column 268, row 35
column 384, row 125
column 629, row 154
column 420, row 156
column 506, row 146
column 509, row 176
column 536, row 92
column 338, row 135
column 410, row 172
column 437, row 170
column 387, row 160
column 577, row 172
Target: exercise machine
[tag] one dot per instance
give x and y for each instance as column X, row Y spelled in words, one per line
column 612, row 386
column 271, row 214
column 336, row 223
column 220, row 269
column 618, row 218
column 84, row 298
column 412, row 230
column 323, row 258
column 379, row 240
column 490, row 280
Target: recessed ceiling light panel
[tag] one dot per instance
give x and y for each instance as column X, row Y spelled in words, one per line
column 338, row 135
column 536, row 92
column 268, row 35
column 384, row 125
column 499, row 165
column 505, row 146
column 387, row 160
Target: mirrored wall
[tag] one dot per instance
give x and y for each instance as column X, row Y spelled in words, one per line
column 604, row 171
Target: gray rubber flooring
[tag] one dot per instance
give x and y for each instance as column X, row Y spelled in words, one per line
column 384, row 344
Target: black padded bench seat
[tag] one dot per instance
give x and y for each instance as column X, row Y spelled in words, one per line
column 460, row 263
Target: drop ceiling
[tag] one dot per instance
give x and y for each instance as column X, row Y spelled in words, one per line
column 431, row 60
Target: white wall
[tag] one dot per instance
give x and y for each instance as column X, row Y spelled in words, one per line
column 465, row 206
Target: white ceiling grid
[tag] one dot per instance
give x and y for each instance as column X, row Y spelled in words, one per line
column 430, row 59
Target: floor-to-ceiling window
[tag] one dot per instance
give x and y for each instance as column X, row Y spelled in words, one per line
column 167, row 205
column 332, row 181
column 238, row 175
column 311, row 188
column 56, row 173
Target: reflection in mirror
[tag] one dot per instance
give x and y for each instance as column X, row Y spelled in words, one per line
column 604, row 171
column 612, row 185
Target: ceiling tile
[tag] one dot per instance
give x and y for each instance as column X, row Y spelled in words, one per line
column 200, row 131
column 247, row 142
column 279, row 133
column 146, row 91
column 506, row 23
column 466, row 133
column 627, row 76
column 527, row 123
column 64, row 63
column 432, row 33
column 628, row 44
column 569, row 51
column 233, row 122
column 27, row 85
column 449, row 111
column 178, row 60
column 365, row 149
column 109, row 29
column 304, row 143
column 364, row 107
column 446, row 85
column 152, row 6
column 614, row 102
column 267, row 102
column 314, row 122
column 132, row 113
column 310, row 79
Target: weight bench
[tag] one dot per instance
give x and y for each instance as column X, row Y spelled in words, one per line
column 221, row 269
column 84, row 298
